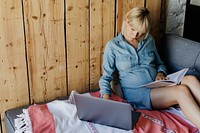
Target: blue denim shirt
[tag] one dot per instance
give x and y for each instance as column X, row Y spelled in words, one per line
column 135, row 66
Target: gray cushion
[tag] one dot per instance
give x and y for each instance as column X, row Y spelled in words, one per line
column 178, row 52
column 10, row 115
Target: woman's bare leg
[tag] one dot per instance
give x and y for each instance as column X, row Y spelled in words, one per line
column 180, row 94
column 194, row 86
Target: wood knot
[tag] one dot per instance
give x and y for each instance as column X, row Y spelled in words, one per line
column 34, row 17
column 70, row 8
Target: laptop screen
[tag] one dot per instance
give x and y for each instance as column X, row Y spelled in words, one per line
column 106, row 112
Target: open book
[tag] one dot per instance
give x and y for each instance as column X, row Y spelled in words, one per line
column 173, row 79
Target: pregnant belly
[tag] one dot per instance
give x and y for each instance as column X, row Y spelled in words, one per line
column 136, row 79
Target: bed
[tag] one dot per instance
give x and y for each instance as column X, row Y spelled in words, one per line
column 60, row 116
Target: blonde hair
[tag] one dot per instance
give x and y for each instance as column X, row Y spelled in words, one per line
column 139, row 18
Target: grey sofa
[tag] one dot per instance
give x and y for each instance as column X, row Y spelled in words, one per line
column 176, row 52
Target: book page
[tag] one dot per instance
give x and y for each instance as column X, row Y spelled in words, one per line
column 174, row 79
column 177, row 76
column 159, row 83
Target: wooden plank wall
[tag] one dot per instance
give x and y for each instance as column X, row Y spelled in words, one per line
column 50, row 47
column 14, row 90
column 101, row 30
column 77, row 41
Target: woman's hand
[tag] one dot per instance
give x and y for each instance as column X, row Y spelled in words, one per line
column 160, row 76
column 106, row 96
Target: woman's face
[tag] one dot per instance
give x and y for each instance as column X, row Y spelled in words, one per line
column 131, row 33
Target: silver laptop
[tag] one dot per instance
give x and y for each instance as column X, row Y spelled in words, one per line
column 106, row 112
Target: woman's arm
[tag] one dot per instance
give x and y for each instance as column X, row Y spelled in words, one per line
column 108, row 69
column 160, row 66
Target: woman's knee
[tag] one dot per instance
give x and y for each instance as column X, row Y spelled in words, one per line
column 183, row 91
column 189, row 79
